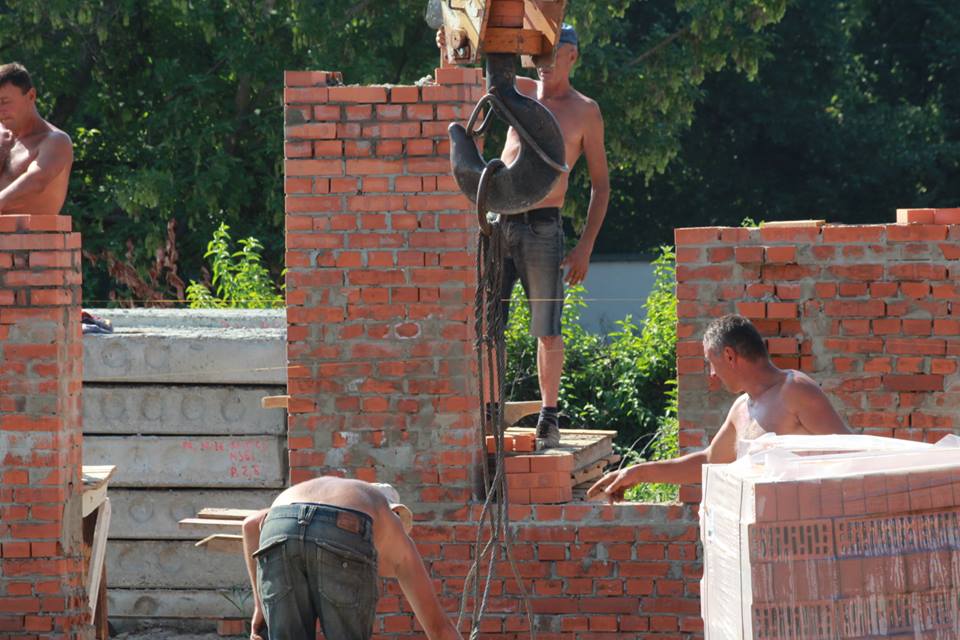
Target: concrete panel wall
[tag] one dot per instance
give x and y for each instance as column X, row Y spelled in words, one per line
column 153, row 514
column 153, row 409
column 173, row 399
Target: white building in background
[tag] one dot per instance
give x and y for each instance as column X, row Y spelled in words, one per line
column 617, row 285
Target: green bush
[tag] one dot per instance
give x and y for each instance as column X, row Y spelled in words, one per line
column 239, row 277
column 623, row 381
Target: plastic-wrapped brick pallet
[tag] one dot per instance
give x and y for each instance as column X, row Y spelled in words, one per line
column 825, row 537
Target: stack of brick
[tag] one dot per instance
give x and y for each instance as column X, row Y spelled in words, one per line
column 537, row 479
column 520, row 442
column 842, row 549
column 41, row 565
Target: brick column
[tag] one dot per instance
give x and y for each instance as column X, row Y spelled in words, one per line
column 380, row 286
column 380, row 258
column 871, row 312
column 41, row 568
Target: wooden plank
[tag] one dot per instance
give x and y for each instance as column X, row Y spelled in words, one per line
column 224, row 526
column 594, row 470
column 275, row 402
column 95, row 479
column 95, row 571
column 513, row 412
column 154, row 514
column 192, row 461
column 226, row 514
column 169, row 410
column 180, row 604
column 222, row 542
column 515, row 41
column 170, row 564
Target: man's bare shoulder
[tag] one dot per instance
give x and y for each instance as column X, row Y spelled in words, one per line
column 57, row 137
column 799, row 383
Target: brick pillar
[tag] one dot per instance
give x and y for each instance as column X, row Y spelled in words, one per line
column 41, row 568
column 380, row 286
column 871, row 312
column 380, row 282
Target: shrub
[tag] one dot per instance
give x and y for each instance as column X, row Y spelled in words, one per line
column 623, row 381
column 240, row 279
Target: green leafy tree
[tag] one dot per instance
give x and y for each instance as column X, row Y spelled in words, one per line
column 175, row 106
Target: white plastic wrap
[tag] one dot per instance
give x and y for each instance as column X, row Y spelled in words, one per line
column 850, row 537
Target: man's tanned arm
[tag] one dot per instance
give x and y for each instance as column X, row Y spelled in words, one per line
column 251, row 541
column 578, row 259
column 686, row 469
column 54, row 155
column 403, row 561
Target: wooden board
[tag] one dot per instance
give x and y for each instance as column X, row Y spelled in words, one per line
column 587, row 445
column 206, row 525
column 593, row 471
column 275, row 402
column 794, row 223
column 222, row 542
column 513, row 412
column 225, row 514
column 95, row 480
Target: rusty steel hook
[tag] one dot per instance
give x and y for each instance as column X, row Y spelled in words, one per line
column 513, row 188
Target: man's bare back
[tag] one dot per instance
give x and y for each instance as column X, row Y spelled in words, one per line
column 35, row 156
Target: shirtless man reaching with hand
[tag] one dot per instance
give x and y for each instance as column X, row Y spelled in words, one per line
column 35, row 156
column 781, row 401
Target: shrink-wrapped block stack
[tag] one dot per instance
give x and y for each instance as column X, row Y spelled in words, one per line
column 850, row 537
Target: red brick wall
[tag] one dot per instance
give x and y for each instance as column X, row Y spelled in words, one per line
column 380, row 287
column 872, row 312
column 41, row 592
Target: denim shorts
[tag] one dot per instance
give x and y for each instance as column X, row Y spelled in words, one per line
column 534, row 251
column 317, row 562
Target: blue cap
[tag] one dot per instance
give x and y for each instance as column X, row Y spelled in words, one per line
column 568, row 35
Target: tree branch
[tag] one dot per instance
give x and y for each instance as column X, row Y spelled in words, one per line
column 658, row 47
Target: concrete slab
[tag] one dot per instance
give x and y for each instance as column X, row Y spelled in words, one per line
column 180, row 410
column 196, row 318
column 153, row 514
column 190, row 461
column 186, row 356
column 179, row 603
column 171, row 564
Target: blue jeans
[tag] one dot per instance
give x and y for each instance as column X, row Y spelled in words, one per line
column 534, row 251
column 317, row 562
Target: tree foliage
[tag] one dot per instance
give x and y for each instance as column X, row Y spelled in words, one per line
column 175, row 106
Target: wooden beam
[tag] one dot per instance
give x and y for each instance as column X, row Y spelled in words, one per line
column 516, row 41
column 228, row 542
column 218, row 513
column 274, row 402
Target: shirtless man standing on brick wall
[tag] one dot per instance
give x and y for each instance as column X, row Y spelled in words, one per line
column 35, row 156
column 534, row 239
column 781, row 401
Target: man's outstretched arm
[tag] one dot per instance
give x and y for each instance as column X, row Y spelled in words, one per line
column 686, row 469
column 54, row 155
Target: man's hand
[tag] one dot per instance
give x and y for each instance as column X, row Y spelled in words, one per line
column 613, row 485
column 441, row 39
column 577, row 263
column 6, row 142
column 257, row 625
